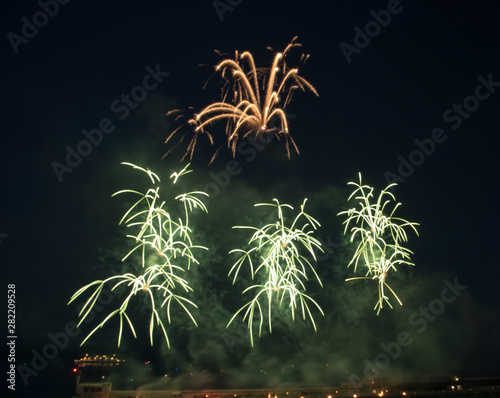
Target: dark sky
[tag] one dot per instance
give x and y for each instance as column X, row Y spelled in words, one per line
column 433, row 71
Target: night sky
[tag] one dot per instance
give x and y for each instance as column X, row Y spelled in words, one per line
column 423, row 88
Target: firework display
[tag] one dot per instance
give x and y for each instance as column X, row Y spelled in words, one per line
column 281, row 268
column 380, row 237
column 166, row 252
column 251, row 98
column 243, row 199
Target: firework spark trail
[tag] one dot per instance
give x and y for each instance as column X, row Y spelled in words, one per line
column 168, row 241
column 278, row 249
column 256, row 96
column 375, row 229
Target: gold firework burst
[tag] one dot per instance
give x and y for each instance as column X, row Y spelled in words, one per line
column 253, row 101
